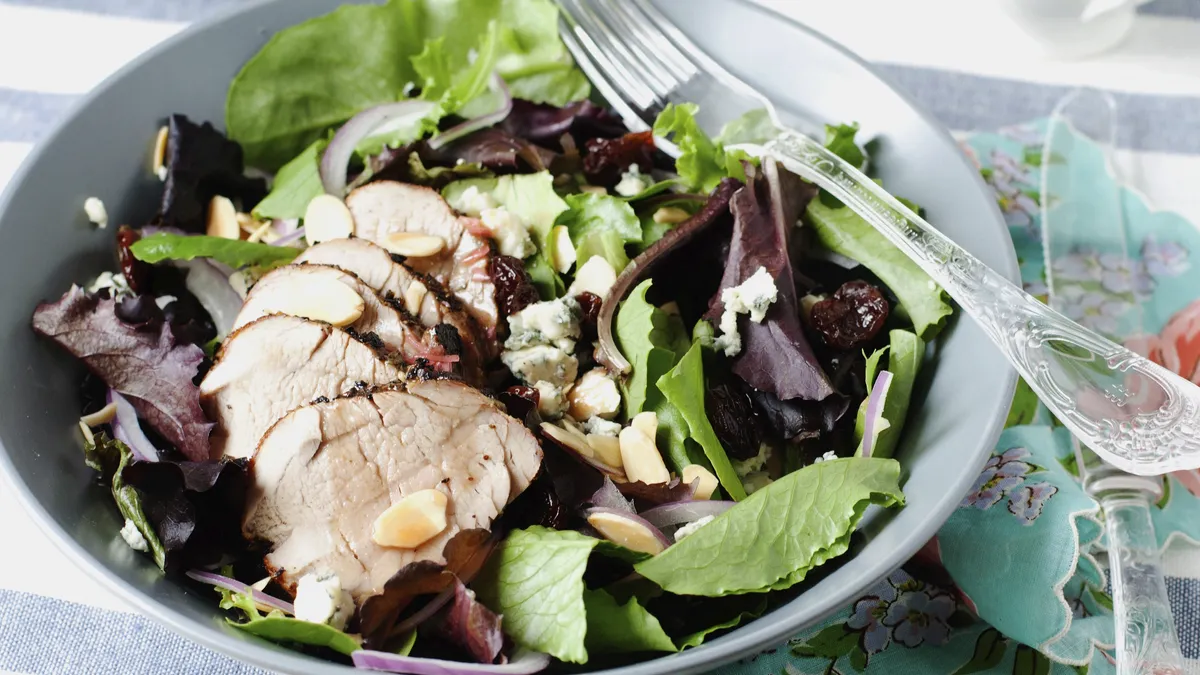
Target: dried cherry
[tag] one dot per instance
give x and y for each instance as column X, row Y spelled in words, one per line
column 607, row 158
column 732, row 416
column 852, row 316
column 137, row 273
column 514, row 288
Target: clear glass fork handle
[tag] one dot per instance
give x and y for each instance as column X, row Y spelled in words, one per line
column 1146, row 639
column 1135, row 414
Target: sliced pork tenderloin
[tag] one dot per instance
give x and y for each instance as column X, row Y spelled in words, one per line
column 422, row 295
column 325, row 473
column 385, row 208
column 275, row 364
column 316, row 292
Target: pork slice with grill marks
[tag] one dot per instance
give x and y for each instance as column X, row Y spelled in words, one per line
column 275, row 364
column 422, row 295
column 301, row 290
column 387, row 207
column 325, row 472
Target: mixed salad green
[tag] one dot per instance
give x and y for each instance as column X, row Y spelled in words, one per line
column 704, row 363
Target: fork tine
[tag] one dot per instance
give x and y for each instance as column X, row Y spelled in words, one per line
column 611, row 38
column 664, row 66
column 654, row 45
column 597, row 60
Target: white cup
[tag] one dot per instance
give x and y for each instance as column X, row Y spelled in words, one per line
column 1074, row 28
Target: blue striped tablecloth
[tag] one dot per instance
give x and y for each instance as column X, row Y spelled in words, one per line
column 963, row 61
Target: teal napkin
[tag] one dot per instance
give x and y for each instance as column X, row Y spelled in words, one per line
column 1014, row 581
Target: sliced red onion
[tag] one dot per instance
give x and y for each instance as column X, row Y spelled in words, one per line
column 290, row 238
column 631, row 518
column 238, row 587
column 285, row 226
column 439, row 601
column 336, row 160
column 680, row 513
column 610, row 471
column 874, row 412
column 128, row 430
column 210, row 284
column 609, row 497
column 821, row 253
column 492, row 118
column 522, row 663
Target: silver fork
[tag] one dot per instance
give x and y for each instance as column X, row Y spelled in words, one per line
column 640, row 62
column 1146, row 639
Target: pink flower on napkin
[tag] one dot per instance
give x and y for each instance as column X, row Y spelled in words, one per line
column 1176, row 348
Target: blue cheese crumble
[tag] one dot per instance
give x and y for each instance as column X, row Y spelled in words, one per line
column 540, row 351
column 632, row 182
column 133, row 537
column 321, row 599
column 693, row 526
column 754, row 297
column 508, row 230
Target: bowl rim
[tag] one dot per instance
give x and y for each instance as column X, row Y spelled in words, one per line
column 266, row 655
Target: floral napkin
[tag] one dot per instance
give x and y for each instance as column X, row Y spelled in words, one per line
column 1015, row 581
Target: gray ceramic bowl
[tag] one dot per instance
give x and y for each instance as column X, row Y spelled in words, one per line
column 103, row 147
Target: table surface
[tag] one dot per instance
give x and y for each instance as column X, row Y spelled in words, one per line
column 965, row 61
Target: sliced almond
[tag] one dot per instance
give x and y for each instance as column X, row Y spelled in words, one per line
column 260, row 232
column 412, row 521
column 413, row 244
column 646, row 422
column 101, row 416
column 641, row 459
column 607, row 448
column 158, row 161
column 327, row 218
column 670, row 215
column 594, row 189
column 261, row 584
column 88, row 436
column 562, row 249
column 595, row 275
column 626, row 532
column 570, row 438
column 222, row 219
column 414, row 295
column 707, row 481
column 316, row 298
column 594, row 395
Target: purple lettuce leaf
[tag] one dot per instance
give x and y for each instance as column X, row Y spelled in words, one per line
column 202, row 163
column 150, row 367
column 466, row 623
column 776, row 356
column 545, row 124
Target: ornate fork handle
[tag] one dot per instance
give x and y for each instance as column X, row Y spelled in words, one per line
column 1135, row 414
column 1148, row 644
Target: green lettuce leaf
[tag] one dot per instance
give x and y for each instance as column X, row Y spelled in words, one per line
column 774, row 537
column 109, row 457
column 696, row 638
column 905, row 352
column 313, row 76
column 840, row 141
column 232, row 252
column 601, row 225
column 279, row 627
column 701, row 163
column 535, row 580
column 684, row 388
column 650, row 341
column 843, row 231
column 613, row 628
column 653, row 341
column 530, row 197
column 295, row 185
column 753, row 127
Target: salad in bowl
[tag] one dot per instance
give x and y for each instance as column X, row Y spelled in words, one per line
column 427, row 363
